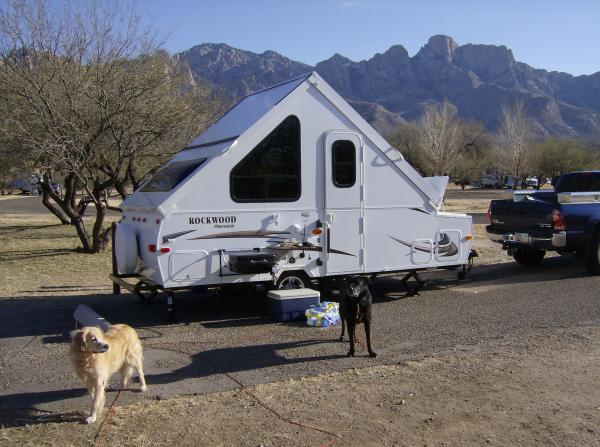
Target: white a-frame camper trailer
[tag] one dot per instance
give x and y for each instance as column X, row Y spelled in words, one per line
column 292, row 187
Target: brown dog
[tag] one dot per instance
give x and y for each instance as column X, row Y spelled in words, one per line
column 98, row 355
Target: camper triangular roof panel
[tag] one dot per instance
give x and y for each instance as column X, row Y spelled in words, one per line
column 246, row 112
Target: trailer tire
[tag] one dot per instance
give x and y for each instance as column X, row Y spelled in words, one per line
column 35, row 192
column 294, row 280
column 593, row 258
column 528, row 256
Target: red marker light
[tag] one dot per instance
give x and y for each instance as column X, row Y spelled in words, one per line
column 165, row 250
column 152, row 248
column 157, row 221
column 558, row 220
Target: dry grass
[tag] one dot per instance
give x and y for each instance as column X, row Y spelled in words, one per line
column 466, row 206
column 489, row 252
column 40, row 257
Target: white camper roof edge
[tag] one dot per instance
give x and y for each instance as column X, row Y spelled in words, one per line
column 246, row 113
column 391, row 153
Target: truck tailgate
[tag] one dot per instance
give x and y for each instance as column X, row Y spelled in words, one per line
column 532, row 217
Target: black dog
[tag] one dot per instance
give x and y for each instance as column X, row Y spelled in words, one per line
column 355, row 308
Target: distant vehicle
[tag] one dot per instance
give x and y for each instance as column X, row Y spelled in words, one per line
column 29, row 184
column 565, row 220
column 490, row 181
column 530, row 182
column 487, row 181
column 56, row 187
column 494, row 181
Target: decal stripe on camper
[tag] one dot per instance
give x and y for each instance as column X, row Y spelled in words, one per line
column 445, row 246
column 240, row 234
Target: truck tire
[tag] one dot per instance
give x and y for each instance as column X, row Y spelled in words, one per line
column 528, row 256
column 294, row 280
column 593, row 258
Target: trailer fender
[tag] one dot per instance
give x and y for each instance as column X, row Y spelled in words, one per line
column 126, row 250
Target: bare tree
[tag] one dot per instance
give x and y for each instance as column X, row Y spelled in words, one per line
column 476, row 147
column 90, row 96
column 514, row 140
column 405, row 138
column 440, row 139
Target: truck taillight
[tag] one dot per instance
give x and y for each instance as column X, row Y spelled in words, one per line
column 489, row 214
column 558, row 221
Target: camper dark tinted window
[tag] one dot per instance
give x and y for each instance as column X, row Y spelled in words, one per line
column 271, row 171
column 344, row 163
column 171, row 175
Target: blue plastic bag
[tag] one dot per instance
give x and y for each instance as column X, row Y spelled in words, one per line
column 324, row 315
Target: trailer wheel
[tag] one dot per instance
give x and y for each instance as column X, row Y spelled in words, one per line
column 35, row 192
column 528, row 256
column 593, row 259
column 293, row 280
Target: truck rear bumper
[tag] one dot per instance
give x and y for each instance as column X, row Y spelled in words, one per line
column 556, row 241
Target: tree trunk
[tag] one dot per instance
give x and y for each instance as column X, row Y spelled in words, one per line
column 120, row 187
column 134, row 182
column 66, row 205
column 84, row 237
column 99, row 233
column 53, row 208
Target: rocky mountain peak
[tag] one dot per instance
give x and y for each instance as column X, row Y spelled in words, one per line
column 397, row 51
column 337, row 58
column 392, row 86
column 438, row 46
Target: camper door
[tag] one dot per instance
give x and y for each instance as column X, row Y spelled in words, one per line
column 343, row 213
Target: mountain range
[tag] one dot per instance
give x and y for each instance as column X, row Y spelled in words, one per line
column 393, row 87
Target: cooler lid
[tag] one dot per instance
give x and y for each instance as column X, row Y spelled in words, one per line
column 289, row 294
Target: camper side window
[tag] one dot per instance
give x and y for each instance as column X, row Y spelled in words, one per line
column 271, row 171
column 171, row 175
column 343, row 160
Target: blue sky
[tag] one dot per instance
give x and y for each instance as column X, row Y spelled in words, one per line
column 551, row 34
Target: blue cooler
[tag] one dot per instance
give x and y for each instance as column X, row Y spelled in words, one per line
column 287, row 305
